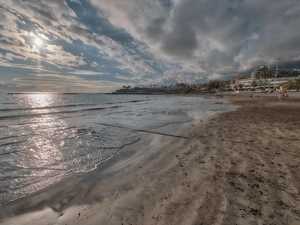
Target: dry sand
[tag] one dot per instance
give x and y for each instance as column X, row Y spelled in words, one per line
column 241, row 167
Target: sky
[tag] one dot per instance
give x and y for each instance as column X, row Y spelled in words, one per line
column 103, row 45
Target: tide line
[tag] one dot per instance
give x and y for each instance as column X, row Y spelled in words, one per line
column 145, row 131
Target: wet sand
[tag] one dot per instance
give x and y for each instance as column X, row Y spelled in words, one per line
column 241, row 167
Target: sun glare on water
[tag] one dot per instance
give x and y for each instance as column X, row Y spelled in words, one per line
column 37, row 100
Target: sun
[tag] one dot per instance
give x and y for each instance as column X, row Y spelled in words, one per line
column 38, row 42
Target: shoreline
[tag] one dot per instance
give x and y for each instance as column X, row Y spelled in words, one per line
column 235, row 169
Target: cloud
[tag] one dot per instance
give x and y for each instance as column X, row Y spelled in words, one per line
column 56, row 55
column 22, row 21
column 76, row 1
column 147, row 41
column 85, row 72
column 66, row 83
column 127, row 57
column 54, row 20
column 219, row 37
column 12, row 87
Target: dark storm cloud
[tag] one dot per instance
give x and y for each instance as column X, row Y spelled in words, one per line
column 180, row 42
column 155, row 29
column 215, row 37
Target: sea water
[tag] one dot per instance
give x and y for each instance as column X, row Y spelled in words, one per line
column 44, row 137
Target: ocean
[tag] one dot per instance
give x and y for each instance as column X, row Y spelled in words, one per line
column 45, row 137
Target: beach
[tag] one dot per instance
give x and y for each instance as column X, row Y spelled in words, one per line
column 238, row 167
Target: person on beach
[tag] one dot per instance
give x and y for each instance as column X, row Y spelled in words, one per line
column 281, row 97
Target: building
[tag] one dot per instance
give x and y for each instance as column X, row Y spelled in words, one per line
column 262, row 72
column 249, row 84
column 263, row 77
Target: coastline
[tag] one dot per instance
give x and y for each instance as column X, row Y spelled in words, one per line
column 239, row 167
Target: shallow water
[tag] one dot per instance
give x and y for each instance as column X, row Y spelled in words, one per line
column 45, row 137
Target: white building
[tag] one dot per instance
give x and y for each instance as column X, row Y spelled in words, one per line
column 261, row 72
column 262, row 83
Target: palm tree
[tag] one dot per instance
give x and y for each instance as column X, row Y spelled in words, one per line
column 289, row 85
column 253, row 85
column 297, row 84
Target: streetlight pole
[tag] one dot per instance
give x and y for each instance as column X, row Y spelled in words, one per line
column 276, row 72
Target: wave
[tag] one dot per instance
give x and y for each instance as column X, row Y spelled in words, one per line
column 132, row 101
column 7, row 153
column 54, row 113
column 11, row 143
column 41, row 108
column 92, row 109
